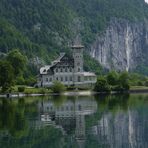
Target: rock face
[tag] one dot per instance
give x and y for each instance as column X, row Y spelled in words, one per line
column 122, row 46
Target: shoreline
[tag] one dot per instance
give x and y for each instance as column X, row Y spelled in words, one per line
column 71, row 93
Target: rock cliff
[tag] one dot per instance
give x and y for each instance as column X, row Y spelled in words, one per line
column 122, row 46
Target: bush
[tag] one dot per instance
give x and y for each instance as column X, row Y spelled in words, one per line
column 31, row 81
column 71, row 88
column 112, row 78
column 58, row 87
column 146, row 83
column 20, row 80
column 124, row 81
column 140, row 83
column 102, row 85
column 21, row 89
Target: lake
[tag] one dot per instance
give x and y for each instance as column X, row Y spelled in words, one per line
column 114, row 121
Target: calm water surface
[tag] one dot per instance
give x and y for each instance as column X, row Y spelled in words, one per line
column 119, row 121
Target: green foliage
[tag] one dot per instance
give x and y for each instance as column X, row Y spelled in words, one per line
column 124, row 80
column 31, row 81
column 17, row 60
column 136, row 79
column 58, row 87
column 102, row 85
column 112, row 78
column 113, row 81
column 36, row 90
column 90, row 64
column 21, row 89
column 6, row 75
column 20, row 80
column 11, row 69
column 146, row 83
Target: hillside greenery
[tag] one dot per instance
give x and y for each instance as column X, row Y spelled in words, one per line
column 44, row 28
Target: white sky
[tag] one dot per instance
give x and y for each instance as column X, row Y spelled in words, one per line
column 146, row 1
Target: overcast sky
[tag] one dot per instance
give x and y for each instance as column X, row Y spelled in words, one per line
column 146, row 1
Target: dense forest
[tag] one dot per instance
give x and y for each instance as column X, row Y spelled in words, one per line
column 43, row 28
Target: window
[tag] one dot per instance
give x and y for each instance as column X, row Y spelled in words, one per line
column 61, row 70
column 56, row 69
column 57, row 78
column 66, row 107
column 46, row 79
column 70, row 69
column 79, row 69
column 61, row 78
column 85, row 78
column 66, row 78
column 70, row 78
column 65, row 69
column 79, row 79
column 79, row 107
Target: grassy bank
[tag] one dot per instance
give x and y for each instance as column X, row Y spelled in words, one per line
column 29, row 90
column 138, row 88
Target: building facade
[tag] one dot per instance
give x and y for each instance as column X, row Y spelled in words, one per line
column 68, row 69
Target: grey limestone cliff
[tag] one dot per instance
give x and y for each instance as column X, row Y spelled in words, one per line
column 122, row 46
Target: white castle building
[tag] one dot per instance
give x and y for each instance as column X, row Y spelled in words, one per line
column 68, row 69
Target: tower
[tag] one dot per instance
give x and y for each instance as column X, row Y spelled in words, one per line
column 78, row 58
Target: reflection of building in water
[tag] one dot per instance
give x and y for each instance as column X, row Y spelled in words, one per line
column 68, row 116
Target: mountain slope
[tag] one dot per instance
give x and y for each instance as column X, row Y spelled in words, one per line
column 44, row 28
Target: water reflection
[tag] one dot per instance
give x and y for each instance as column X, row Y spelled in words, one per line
column 69, row 116
column 75, row 122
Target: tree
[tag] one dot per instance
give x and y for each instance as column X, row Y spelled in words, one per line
column 112, row 78
column 58, row 87
column 124, row 81
column 17, row 60
column 102, row 85
column 6, row 75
